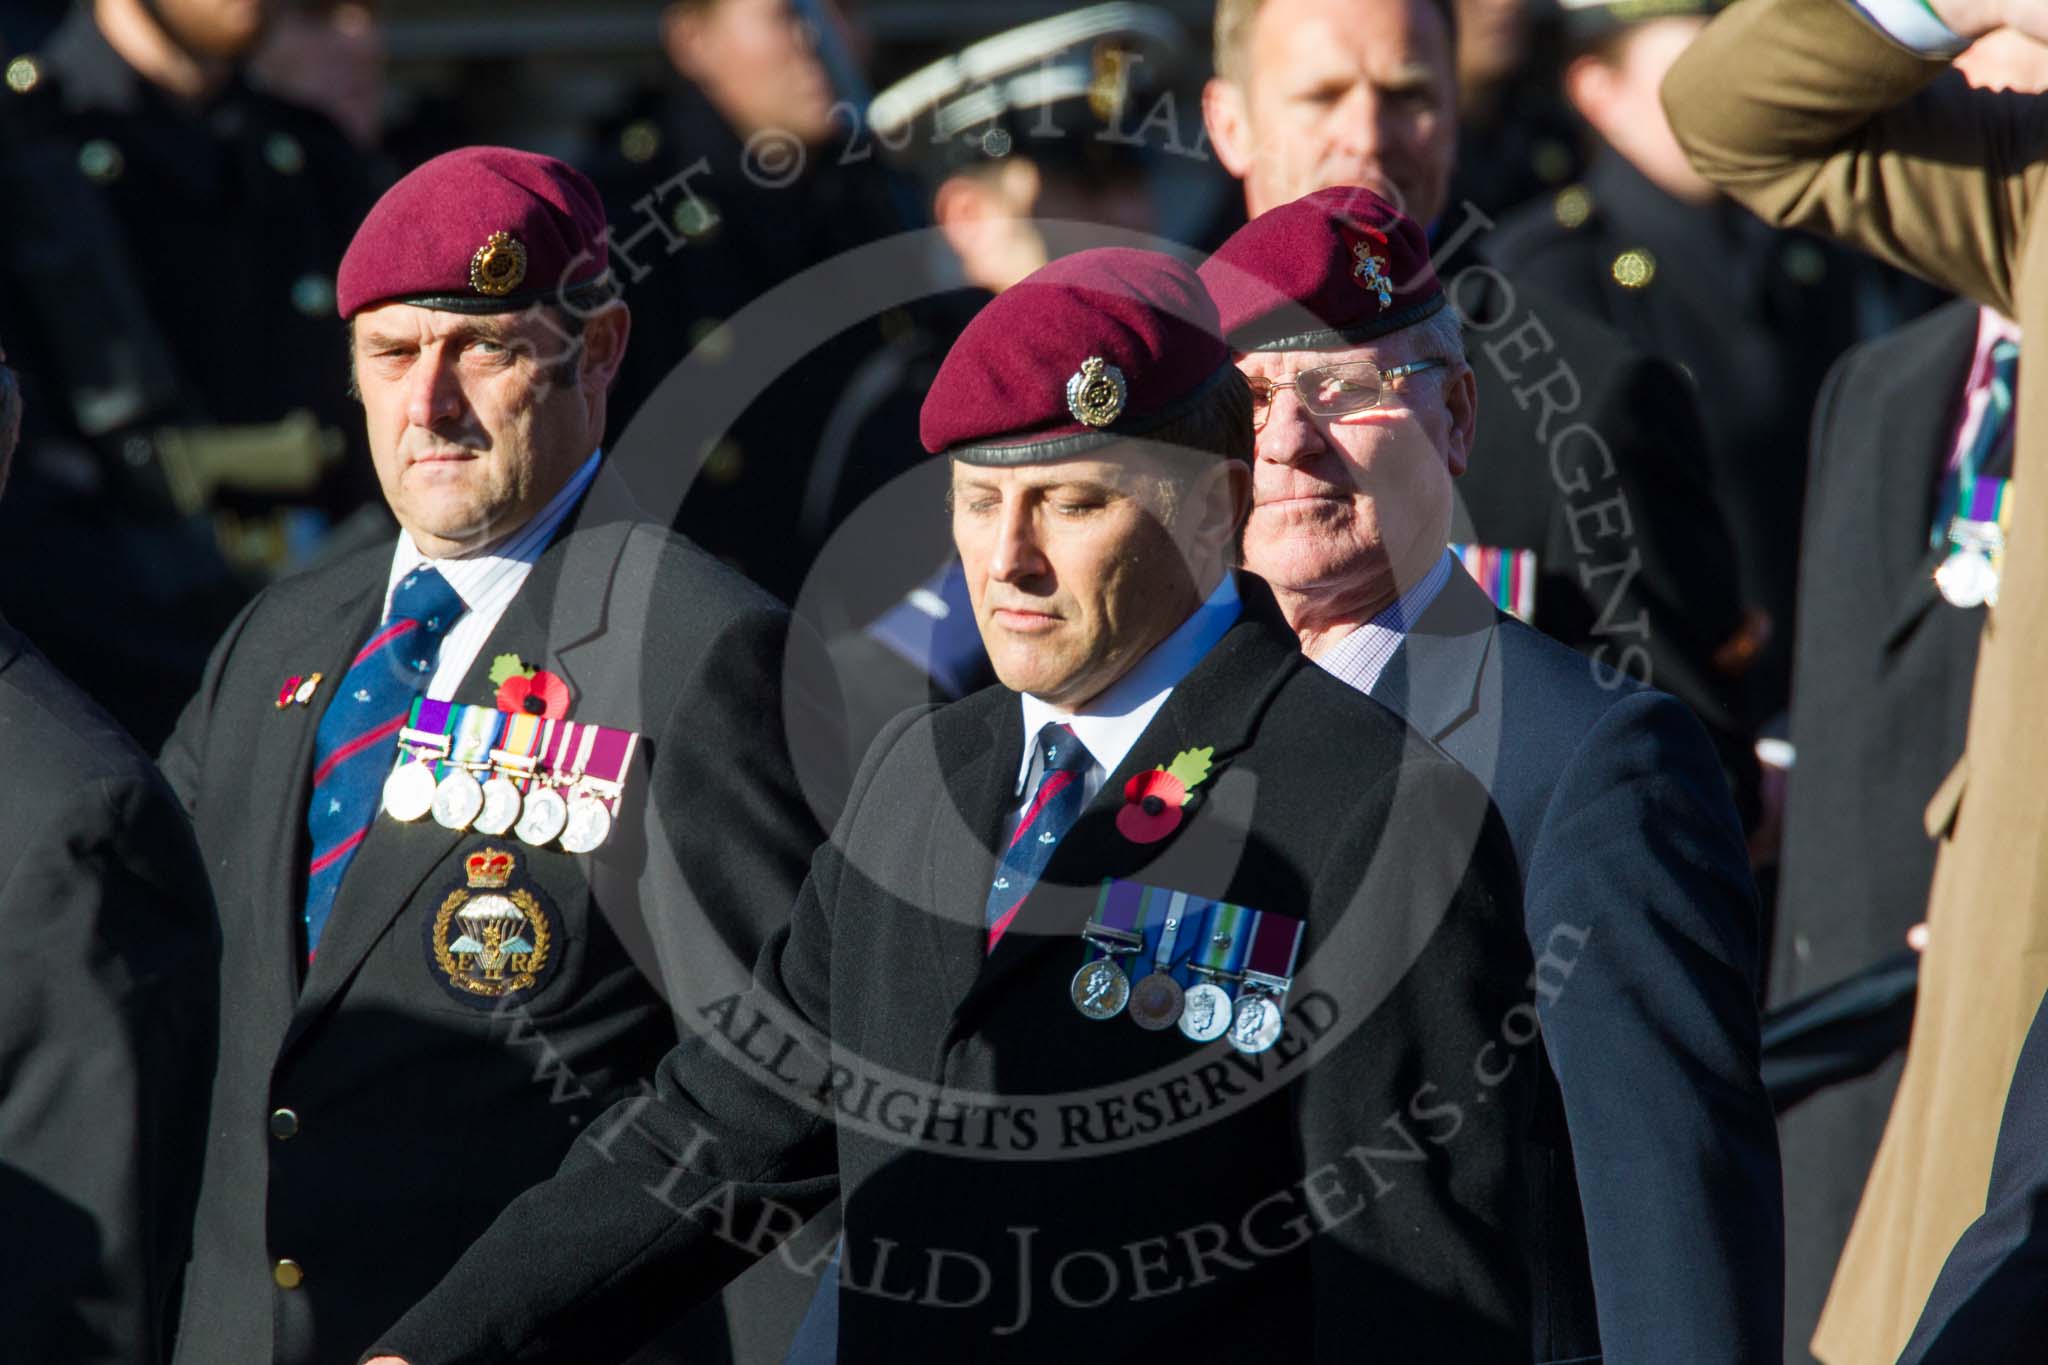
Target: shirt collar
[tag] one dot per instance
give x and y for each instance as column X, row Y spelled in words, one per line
column 1116, row 718
column 1992, row 328
column 472, row 575
column 1361, row 656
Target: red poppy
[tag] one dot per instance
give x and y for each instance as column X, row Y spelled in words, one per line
column 288, row 691
column 539, row 693
column 1152, row 805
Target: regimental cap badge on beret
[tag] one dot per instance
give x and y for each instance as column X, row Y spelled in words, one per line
column 499, row 266
column 1146, row 335
column 1334, row 269
column 1096, row 392
column 1370, row 272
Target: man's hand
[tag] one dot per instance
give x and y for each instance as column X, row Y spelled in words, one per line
column 1975, row 18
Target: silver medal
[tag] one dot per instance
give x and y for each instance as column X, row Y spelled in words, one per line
column 409, row 791
column 501, row 806
column 545, row 816
column 589, row 823
column 1205, row 1013
column 1156, row 1002
column 457, row 801
column 1257, row 1023
column 1100, row 989
column 1967, row 579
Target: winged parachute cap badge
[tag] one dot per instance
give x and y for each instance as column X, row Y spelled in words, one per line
column 1096, row 392
column 499, row 266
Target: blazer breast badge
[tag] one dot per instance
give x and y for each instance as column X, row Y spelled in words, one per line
column 494, row 935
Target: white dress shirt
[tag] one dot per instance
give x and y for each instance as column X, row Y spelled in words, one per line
column 485, row 582
column 1114, row 720
column 1360, row 657
column 1912, row 24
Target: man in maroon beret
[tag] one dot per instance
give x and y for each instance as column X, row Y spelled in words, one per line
column 1133, row 1008
column 1311, row 94
column 1636, row 897
column 482, row 806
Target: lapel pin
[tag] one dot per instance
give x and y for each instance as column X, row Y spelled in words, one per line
column 297, row 690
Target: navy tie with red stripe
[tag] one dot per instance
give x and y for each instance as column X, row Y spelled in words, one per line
column 1057, row 803
column 352, row 751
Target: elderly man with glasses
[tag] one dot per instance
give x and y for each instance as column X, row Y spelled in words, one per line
column 1667, row 1242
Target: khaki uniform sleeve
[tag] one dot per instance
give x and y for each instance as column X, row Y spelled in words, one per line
column 1814, row 118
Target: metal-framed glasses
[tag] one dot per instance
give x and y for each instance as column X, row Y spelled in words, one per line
column 1333, row 390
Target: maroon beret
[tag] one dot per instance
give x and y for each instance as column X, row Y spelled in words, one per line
column 1332, row 269
column 478, row 230
column 1095, row 347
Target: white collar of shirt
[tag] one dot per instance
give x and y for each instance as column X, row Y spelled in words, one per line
column 486, row 582
column 1360, row 657
column 1115, row 719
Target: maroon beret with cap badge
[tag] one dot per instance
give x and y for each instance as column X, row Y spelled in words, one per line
column 478, row 230
column 1333, row 269
column 1092, row 349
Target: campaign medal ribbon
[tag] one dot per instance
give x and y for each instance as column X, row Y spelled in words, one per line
column 1268, row 972
column 1100, row 988
column 600, row 781
column 459, row 797
column 546, row 812
column 1969, row 576
column 1157, row 999
column 1221, row 946
column 513, row 765
column 422, row 742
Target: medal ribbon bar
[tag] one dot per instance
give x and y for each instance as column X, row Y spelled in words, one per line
column 1115, row 926
column 1276, row 943
column 473, row 733
column 1170, row 917
column 1224, row 941
column 515, row 758
column 607, row 753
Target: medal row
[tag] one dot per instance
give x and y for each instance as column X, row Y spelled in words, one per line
column 1224, row 946
column 478, row 768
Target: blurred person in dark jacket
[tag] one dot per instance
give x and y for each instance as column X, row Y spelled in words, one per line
column 167, row 271
column 106, row 1019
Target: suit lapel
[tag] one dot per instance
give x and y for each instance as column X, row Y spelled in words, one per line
column 1917, row 434
column 1434, row 679
column 564, row 598
column 980, row 744
column 1218, row 705
column 323, row 640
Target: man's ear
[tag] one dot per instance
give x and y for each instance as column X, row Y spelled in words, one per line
column 1589, row 87
column 1461, row 400
column 682, row 35
column 1228, row 118
column 1215, row 512
column 986, row 220
column 605, row 334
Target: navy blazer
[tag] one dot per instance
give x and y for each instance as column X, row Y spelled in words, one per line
column 1990, row 1304
column 1642, row 915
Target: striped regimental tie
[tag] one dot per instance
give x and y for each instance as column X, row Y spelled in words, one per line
column 352, row 753
column 1054, row 807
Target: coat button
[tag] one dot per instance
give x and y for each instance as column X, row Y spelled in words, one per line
column 284, row 1125
column 288, row 1275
